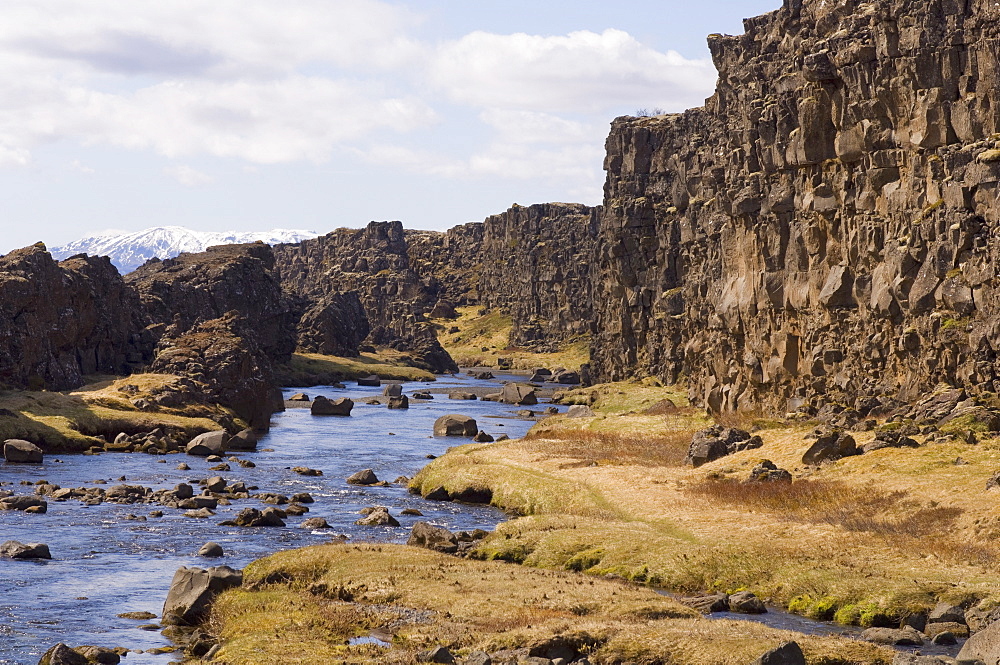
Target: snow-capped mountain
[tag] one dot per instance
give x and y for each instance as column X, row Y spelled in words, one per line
column 131, row 250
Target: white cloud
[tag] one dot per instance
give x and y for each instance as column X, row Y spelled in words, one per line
column 580, row 72
column 188, row 176
column 78, row 166
column 309, row 80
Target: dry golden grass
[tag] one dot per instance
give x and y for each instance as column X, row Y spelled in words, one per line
column 71, row 420
column 308, row 603
column 492, row 332
column 601, row 447
column 895, row 529
column 308, row 369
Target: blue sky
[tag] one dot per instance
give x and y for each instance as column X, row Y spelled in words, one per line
column 317, row 114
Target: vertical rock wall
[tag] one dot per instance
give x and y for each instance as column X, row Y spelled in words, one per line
column 826, row 224
column 536, row 264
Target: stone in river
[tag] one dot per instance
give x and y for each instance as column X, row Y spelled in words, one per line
column 322, row 406
column 211, row 549
column 365, row 477
column 21, row 452
column 455, row 425
column 208, row 444
column 192, row 591
column 15, row 550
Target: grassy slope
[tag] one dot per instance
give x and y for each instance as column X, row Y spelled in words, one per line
column 69, row 420
column 893, row 530
column 492, row 332
column 307, row 369
column 327, row 594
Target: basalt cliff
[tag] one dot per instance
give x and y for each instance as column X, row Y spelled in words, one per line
column 825, row 225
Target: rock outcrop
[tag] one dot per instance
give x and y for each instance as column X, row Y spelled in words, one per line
column 180, row 293
column 372, row 263
column 824, row 225
column 60, row 321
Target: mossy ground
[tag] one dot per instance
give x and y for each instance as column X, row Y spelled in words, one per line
column 71, row 420
column 891, row 531
column 310, row 369
column 491, row 331
column 320, row 597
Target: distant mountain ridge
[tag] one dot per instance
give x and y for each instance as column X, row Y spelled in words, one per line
column 130, row 250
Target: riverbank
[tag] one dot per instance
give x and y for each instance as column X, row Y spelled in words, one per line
column 865, row 540
column 388, row 603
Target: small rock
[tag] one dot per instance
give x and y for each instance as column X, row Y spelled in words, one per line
column 299, row 397
column 788, row 653
column 893, row 636
column 208, row 444
column 426, row 535
column 302, row 497
column 365, row 477
column 455, row 425
column 482, row 437
column 306, row 471
column 314, row 523
column 15, row 550
column 392, row 390
column 322, row 406
column 412, row 512
column 435, row 655
column 400, row 402
column 379, row 516
column 211, row 549
column 746, row 602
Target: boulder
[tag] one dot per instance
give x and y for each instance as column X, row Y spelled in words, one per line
column 889, row 439
column 956, row 629
column 399, row 402
column 245, row 440
column 251, row 517
column 323, row 406
column 435, row 655
column 768, row 472
column 788, row 653
column 438, row 494
column 299, row 397
column 746, row 602
column 946, row 613
column 984, row 646
column 566, row 377
column 209, row 443
column 372, row 381
column 378, row 517
column 521, row 395
column 462, row 395
column 422, row 395
column 193, row 590
column 716, row 442
column 314, row 523
column 392, row 390
column 211, row 550
column 365, row 477
column 482, row 437
column 579, row 411
column 101, row 655
column 306, row 471
column 432, row 537
column 21, row 452
column 61, row 654
column 24, row 503
column 893, row 636
column 483, row 375
column 708, row 603
column 15, row 550
column 830, row 447
column 215, row 484
column 455, row 425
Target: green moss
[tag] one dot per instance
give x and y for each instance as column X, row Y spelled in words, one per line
column 989, row 156
column 848, row 615
column 585, row 560
column 800, row 604
column 965, row 423
column 822, row 609
column 954, row 324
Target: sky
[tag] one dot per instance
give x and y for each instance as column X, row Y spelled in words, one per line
column 118, row 115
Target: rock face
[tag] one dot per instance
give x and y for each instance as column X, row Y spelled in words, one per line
column 373, row 264
column 194, row 288
column 536, row 263
column 824, row 224
column 59, row 321
column 224, row 357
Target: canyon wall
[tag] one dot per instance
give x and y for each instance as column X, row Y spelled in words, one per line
column 825, row 224
column 60, row 321
column 536, row 264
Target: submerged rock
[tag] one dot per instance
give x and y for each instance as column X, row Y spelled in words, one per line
column 365, row 477
column 15, row 550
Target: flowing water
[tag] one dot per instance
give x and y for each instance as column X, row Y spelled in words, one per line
column 104, row 564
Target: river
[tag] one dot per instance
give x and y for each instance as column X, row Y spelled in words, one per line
column 105, row 564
